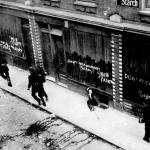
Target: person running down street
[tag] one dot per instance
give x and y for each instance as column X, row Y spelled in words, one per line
column 41, row 79
column 35, row 84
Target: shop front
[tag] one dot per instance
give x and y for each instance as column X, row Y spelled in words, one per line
column 52, row 45
column 89, row 58
column 15, row 43
column 82, row 52
column 136, row 70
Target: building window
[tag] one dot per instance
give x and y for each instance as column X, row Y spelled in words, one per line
column 88, row 6
column 144, row 12
column 89, row 59
column 147, row 4
column 53, row 3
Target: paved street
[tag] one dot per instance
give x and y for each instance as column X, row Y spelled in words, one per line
column 24, row 127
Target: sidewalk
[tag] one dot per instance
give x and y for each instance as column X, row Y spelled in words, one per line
column 119, row 128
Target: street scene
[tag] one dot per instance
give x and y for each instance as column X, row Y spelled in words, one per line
column 74, row 74
column 24, row 127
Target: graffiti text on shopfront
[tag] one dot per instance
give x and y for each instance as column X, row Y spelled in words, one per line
column 103, row 76
column 83, row 66
column 142, row 91
column 137, row 79
column 13, row 45
column 144, row 95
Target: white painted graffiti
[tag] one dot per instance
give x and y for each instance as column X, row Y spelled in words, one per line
column 102, row 76
column 136, row 79
column 12, row 45
column 144, row 95
column 83, row 65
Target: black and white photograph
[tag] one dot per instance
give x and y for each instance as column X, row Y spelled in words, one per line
column 74, row 74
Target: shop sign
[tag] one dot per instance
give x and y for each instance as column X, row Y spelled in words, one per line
column 129, row 3
column 12, row 45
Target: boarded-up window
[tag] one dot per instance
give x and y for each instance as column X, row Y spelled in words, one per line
column 89, row 59
column 136, row 68
column 11, row 35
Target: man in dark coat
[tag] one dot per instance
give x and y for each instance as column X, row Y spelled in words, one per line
column 41, row 79
column 146, row 120
column 34, row 83
column 4, row 71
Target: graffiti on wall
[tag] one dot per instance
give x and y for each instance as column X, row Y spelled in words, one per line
column 86, row 69
column 102, row 76
column 137, row 79
column 141, row 85
column 12, row 45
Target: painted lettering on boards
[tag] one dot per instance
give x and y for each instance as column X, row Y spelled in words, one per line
column 136, row 79
column 104, row 77
column 141, row 87
column 146, row 96
column 12, row 46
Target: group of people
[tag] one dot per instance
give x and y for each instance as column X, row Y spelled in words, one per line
column 36, row 80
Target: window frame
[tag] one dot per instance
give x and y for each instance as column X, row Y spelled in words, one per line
column 143, row 5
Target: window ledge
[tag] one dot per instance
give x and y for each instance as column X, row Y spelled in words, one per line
column 87, row 4
column 144, row 12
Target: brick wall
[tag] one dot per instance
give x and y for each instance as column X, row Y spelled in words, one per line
column 109, row 6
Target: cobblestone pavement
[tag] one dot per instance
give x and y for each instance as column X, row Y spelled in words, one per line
column 23, row 127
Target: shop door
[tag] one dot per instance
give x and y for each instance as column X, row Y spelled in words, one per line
column 28, row 47
column 47, row 51
column 59, row 52
column 52, row 45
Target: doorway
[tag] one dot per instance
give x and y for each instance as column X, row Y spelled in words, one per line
column 52, row 45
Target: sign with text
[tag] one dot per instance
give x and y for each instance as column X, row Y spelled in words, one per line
column 138, row 87
column 104, row 77
column 129, row 3
column 12, row 45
